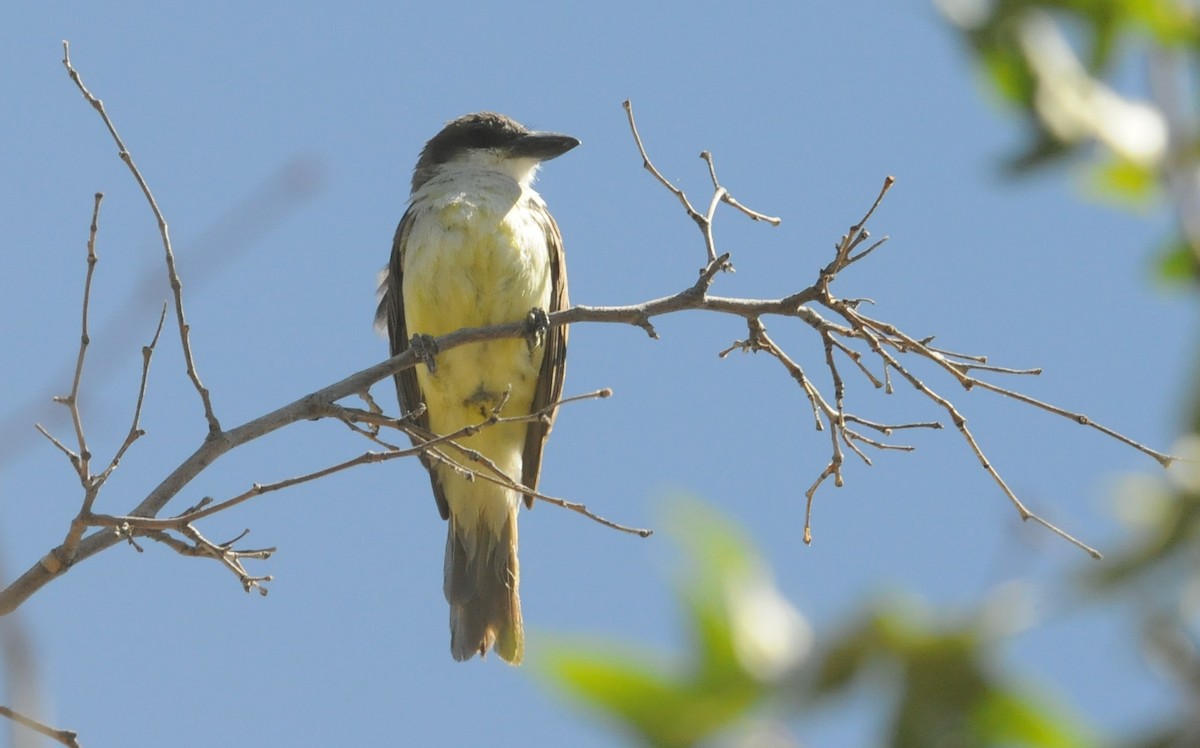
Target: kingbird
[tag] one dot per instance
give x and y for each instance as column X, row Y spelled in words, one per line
column 477, row 246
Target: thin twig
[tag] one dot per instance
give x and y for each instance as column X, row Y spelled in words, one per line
column 74, row 458
column 729, row 200
column 1161, row 458
column 201, row 547
column 649, row 166
column 961, row 424
column 81, row 460
column 210, row 508
column 135, row 429
column 957, row 370
column 93, row 483
column 214, row 426
column 720, row 195
column 491, row 472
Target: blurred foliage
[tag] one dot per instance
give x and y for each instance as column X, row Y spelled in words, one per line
column 941, row 675
column 1124, row 183
column 1163, row 516
column 1061, row 64
column 1157, row 574
column 1115, row 81
column 745, row 639
column 751, row 652
column 1041, row 56
column 1064, row 66
column 1177, row 264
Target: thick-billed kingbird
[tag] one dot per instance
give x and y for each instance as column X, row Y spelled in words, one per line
column 478, row 247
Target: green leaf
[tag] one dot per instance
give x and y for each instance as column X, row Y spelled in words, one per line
column 1004, row 717
column 937, row 671
column 1042, row 150
column 1009, row 74
column 663, row 708
column 1169, row 23
column 653, row 705
column 844, row 661
column 1177, row 263
column 1123, row 182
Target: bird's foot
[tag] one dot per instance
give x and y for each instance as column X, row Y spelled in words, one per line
column 537, row 324
column 425, row 348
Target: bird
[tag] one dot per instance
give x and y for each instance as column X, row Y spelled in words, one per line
column 477, row 246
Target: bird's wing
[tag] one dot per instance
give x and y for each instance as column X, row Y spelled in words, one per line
column 554, row 362
column 391, row 313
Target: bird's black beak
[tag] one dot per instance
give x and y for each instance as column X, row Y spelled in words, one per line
column 542, row 146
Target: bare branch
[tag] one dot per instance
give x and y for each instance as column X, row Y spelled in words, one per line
column 93, row 483
column 649, row 166
column 959, row 371
column 135, row 430
column 1083, row 420
column 961, row 424
column 74, row 458
column 720, row 195
column 65, row 737
column 82, row 466
column 728, row 198
column 201, row 547
column 214, row 426
column 431, row 447
column 157, row 528
column 491, row 472
column 878, row 335
column 81, row 459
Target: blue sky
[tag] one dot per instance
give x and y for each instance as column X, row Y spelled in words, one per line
column 312, row 115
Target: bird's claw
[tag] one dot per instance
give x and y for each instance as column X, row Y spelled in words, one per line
column 425, row 348
column 537, row 324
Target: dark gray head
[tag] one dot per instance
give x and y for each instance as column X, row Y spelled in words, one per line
column 491, row 137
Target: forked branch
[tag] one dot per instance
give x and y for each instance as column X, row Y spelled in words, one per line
column 886, row 343
column 168, row 252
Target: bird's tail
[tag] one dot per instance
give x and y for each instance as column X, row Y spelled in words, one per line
column 482, row 586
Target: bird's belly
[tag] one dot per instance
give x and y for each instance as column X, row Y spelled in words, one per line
column 475, row 269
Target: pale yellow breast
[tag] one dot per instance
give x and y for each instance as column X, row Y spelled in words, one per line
column 468, row 264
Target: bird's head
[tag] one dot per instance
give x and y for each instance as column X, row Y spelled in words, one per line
column 492, row 142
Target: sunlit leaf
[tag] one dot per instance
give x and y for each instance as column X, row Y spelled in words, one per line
column 1169, row 22
column 1011, row 718
column 650, row 703
column 1123, row 182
